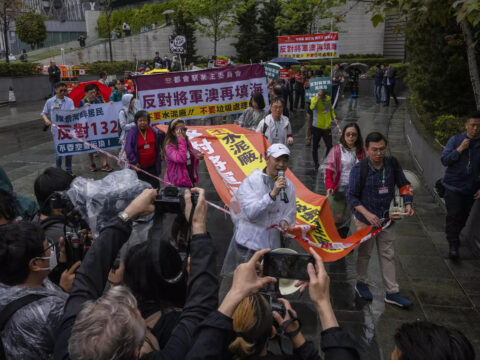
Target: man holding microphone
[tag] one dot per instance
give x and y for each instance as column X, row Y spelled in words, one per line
column 263, row 204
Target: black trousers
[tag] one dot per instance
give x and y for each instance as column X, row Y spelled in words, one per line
column 318, row 134
column 458, row 209
column 390, row 92
column 144, row 177
column 299, row 95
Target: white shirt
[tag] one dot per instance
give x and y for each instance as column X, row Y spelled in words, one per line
column 349, row 159
column 259, row 212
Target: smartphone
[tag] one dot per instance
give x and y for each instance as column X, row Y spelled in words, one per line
column 287, row 266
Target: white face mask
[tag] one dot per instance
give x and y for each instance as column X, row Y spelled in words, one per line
column 52, row 258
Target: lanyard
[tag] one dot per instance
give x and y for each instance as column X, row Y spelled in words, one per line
column 143, row 136
column 383, row 173
column 276, row 127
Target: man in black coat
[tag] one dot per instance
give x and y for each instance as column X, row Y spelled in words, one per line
column 54, row 74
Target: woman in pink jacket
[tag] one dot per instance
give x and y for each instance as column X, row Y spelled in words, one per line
column 180, row 156
column 339, row 162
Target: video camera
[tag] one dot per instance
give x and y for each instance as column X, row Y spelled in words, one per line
column 171, row 200
column 76, row 246
column 60, row 200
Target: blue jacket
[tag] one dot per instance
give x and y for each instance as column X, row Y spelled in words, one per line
column 463, row 170
column 379, row 77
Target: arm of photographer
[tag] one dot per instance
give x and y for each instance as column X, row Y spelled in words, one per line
column 91, row 277
column 202, row 296
column 216, row 333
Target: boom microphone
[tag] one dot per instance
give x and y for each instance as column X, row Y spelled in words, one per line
column 283, row 194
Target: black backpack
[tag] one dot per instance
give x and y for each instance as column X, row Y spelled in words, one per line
column 364, row 170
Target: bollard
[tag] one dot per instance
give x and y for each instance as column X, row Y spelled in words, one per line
column 11, row 96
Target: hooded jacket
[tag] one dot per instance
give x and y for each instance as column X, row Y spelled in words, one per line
column 126, row 118
column 30, row 332
column 26, row 207
column 176, row 159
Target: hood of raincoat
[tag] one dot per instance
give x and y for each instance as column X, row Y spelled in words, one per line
column 126, row 101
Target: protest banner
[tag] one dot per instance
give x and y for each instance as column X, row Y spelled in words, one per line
column 307, row 47
column 221, row 61
column 317, row 84
column 272, row 70
column 232, row 153
column 178, row 44
column 201, row 94
column 97, row 124
column 286, row 74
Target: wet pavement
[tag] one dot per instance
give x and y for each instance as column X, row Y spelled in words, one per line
column 444, row 292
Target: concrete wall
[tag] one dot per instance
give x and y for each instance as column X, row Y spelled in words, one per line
column 144, row 46
column 357, row 34
column 30, row 88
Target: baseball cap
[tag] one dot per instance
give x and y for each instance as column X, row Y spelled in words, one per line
column 277, row 150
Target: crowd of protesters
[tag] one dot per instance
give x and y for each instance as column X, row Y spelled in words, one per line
column 160, row 302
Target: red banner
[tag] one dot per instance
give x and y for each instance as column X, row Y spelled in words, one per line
column 232, row 153
column 312, row 46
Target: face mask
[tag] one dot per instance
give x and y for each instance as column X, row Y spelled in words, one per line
column 52, row 258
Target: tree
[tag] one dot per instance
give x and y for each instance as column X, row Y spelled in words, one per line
column 108, row 10
column 247, row 46
column 214, row 18
column 268, row 33
column 302, row 16
column 466, row 13
column 9, row 10
column 31, row 29
column 183, row 21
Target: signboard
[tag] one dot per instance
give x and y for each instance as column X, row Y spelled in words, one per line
column 97, row 124
column 221, row 61
column 272, row 70
column 317, row 84
column 307, row 47
column 178, row 44
column 200, row 94
column 286, row 74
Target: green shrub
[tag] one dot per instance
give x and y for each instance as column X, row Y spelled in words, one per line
column 448, row 125
column 19, row 69
column 111, row 68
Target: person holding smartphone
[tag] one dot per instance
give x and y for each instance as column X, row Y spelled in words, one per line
column 262, row 209
column 181, row 158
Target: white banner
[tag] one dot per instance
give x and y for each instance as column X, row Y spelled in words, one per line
column 97, row 124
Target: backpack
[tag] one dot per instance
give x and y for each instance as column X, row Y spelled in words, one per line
column 10, row 309
column 364, row 170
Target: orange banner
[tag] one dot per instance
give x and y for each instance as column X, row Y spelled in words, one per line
column 232, row 153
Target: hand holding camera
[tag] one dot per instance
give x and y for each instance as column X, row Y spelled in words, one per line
column 246, row 281
column 143, row 204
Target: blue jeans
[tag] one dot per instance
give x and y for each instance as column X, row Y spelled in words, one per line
column 378, row 93
column 68, row 162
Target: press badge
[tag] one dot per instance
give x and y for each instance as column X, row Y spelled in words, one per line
column 147, row 146
column 383, row 190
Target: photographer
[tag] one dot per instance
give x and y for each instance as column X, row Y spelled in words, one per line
column 34, row 303
column 245, row 305
column 113, row 329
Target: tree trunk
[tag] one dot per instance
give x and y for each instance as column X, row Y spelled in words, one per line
column 473, row 64
column 5, row 34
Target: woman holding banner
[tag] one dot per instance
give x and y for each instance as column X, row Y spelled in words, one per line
column 339, row 163
column 143, row 148
column 182, row 159
column 254, row 114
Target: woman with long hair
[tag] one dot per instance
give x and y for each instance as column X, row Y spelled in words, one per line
column 340, row 162
column 143, row 147
column 254, row 114
column 181, row 158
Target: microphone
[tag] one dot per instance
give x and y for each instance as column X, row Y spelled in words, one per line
column 283, row 194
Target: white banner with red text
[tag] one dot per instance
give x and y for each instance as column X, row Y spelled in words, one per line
column 97, row 124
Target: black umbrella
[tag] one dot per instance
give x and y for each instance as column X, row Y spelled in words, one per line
column 285, row 61
column 360, row 66
column 344, row 65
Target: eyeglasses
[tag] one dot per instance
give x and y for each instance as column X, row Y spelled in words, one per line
column 351, row 134
column 379, row 151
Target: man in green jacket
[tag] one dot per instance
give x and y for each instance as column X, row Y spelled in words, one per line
column 323, row 115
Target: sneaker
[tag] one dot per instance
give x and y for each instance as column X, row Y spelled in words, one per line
column 93, row 168
column 106, row 168
column 363, row 291
column 399, row 300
